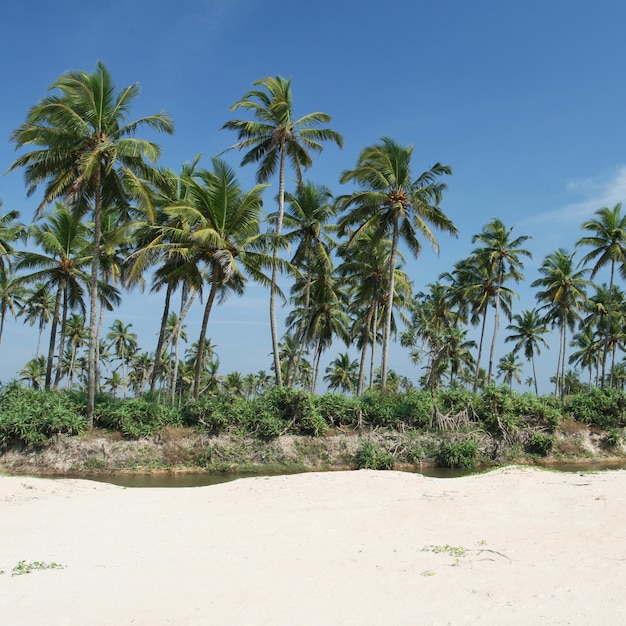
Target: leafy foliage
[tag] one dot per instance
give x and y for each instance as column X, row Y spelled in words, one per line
column 30, row 417
column 605, row 408
column 459, row 454
column 371, row 456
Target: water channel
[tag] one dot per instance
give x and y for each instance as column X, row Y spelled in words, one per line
column 173, row 479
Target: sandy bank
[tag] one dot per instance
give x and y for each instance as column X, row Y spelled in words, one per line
column 514, row 546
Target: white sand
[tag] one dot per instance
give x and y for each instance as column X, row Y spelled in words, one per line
column 326, row 549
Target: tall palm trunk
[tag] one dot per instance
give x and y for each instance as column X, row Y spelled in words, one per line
column 365, row 344
column 93, row 295
column 279, row 226
column 159, row 348
column 59, row 368
column 390, row 298
column 205, row 323
column 496, row 323
column 605, row 349
column 480, row 349
column 53, row 338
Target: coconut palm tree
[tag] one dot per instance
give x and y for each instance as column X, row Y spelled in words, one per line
column 342, row 373
column 527, row 332
column 390, row 203
column 563, row 295
column 607, row 239
column 34, row 372
column 61, row 267
column 12, row 297
column 306, row 220
column 77, row 336
column 87, row 152
column 11, row 230
column 271, row 139
column 587, row 353
column 124, row 344
column 510, row 368
column 223, row 235
column 38, row 308
column 503, row 255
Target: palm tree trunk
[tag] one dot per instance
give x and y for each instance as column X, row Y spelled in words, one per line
column 93, row 295
column 532, row 360
column 389, row 312
column 496, row 323
column 605, row 349
column 480, row 350
column 279, row 226
column 205, row 323
column 374, row 344
column 365, row 343
column 53, row 338
column 59, row 368
column 159, row 348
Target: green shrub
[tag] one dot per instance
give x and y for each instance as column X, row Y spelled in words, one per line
column 459, row 454
column 370, row 456
column 379, row 409
column 613, row 438
column 135, row 417
column 30, row 417
column 414, row 409
column 541, row 443
column 338, row 409
column 605, row 408
column 295, row 408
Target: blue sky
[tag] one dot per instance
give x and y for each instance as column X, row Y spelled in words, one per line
column 524, row 100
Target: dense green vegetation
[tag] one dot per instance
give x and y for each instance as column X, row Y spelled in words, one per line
column 110, row 219
column 457, row 429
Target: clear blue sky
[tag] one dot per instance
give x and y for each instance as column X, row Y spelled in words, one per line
column 524, row 100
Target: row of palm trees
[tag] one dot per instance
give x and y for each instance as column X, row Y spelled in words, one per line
column 117, row 215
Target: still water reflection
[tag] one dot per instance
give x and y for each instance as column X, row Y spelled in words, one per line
column 202, row 480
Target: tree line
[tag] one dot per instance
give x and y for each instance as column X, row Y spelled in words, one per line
column 111, row 218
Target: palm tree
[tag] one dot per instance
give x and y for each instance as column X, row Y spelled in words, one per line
column 10, row 231
column 85, row 151
column 563, row 296
column 308, row 213
column 124, row 344
column 509, row 368
column 60, row 267
column 38, row 308
column 271, row 139
column 34, row 372
column 342, row 373
column 77, row 336
column 608, row 241
column 12, row 296
column 391, row 203
column 503, row 257
column 222, row 234
column 586, row 355
column 527, row 333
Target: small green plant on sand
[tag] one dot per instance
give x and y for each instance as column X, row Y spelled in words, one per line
column 26, row 568
column 454, row 551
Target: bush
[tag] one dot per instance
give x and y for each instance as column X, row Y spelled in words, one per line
column 605, row 408
column 135, row 417
column 541, row 443
column 295, row 409
column 31, row 417
column 370, row 456
column 613, row 438
column 460, row 454
column 337, row 409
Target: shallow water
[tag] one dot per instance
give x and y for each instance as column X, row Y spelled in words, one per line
column 170, row 480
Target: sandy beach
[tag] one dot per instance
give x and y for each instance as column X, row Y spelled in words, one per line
column 513, row 546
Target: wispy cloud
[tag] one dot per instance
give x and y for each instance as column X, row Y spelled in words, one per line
column 594, row 193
